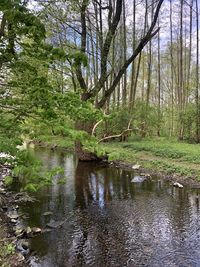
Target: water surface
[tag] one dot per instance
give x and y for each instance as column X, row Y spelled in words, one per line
column 109, row 221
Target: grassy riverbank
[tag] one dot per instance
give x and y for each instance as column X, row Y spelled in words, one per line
column 168, row 156
column 159, row 154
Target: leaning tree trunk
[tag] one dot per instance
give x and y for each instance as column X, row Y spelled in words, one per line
column 83, row 154
column 89, row 93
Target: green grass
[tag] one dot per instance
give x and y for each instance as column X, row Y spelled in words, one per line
column 159, row 154
column 164, row 148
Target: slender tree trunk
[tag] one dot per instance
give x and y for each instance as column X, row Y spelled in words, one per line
column 124, row 92
column 197, row 76
column 181, row 83
column 172, row 71
column 131, row 95
column 159, row 86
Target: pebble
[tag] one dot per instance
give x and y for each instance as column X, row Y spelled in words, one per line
column 47, row 213
column 136, row 167
column 176, row 184
column 36, row 230
column 13, row 221
column 28, row 230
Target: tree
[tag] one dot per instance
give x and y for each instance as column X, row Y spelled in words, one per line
column 113, row 21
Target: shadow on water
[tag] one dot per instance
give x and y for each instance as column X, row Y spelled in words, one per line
column 109, row 221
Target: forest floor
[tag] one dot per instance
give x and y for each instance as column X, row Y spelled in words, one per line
column 176, row 160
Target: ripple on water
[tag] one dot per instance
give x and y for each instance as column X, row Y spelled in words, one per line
column 110, row 221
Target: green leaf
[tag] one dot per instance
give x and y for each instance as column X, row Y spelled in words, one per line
column 8, row 180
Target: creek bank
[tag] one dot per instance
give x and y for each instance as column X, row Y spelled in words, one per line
column 14, row 235
column 190, row 182
column 186, row 180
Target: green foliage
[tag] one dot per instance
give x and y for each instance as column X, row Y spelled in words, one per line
column 159, row 154
column 90, row 144
column 21, row 23
column 29, row 172
column 115, row 155
column 30, row 102
column 145, row 118
column 170, row 168
column 9, row 249
column 78, row 57
column 114, row 123
column 166, row 148
column 77, row 109
column 62, row 181
column 8, row 180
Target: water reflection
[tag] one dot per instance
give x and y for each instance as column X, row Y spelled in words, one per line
column 110, row 221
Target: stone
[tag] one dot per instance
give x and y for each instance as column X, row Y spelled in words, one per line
column 25, row 245
column 36, row 230
column 28, row 230
column 138, row 179
column 176, row 184
column 13, row 221
column 47, row 213
column 2, row 191
column 55, row 224
column 136, row 167
column 19, row 232
column 13, row 215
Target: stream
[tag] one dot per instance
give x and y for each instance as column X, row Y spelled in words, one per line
column 108, row 221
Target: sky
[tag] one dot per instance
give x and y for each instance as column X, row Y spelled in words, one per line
column 164, row 18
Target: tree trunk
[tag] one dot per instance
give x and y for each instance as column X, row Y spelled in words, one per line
column 83, row 154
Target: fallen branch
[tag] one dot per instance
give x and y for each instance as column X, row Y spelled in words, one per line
column 115, row 136
column 95, row 126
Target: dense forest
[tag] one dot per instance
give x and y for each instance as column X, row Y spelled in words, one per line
column 99, row 111
column 96, row 70
column 129, row 64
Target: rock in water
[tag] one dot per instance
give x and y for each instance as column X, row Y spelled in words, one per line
column 36, row 230
column 176, row 184
column 138, row 179
column 146, row 175
column 13, row 215
column 23, row 246
column 53, row 224
column 28, row 231
column 136, row 167
column 47, row 213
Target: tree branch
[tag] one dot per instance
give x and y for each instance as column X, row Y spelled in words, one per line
column 148, row 36
column 115, row 136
